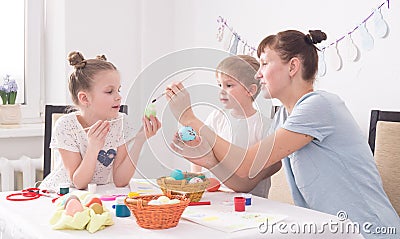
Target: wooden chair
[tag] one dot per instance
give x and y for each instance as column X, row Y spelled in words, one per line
column 384, row 140
column 52, row 113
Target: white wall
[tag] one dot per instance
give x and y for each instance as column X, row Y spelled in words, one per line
column 134, row 34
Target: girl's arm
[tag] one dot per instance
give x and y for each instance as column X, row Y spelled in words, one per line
column 125, row 164
column 81, row 169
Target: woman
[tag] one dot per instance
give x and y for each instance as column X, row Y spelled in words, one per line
column 327, row 160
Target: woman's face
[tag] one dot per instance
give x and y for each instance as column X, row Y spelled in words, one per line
column 273, row 74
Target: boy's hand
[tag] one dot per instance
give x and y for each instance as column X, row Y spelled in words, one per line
column 97, row 134
column 179, row 102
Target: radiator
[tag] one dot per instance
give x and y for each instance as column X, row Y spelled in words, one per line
column 26, row 165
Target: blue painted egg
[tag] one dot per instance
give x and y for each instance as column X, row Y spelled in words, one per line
column 177, row 174
column 187, row 133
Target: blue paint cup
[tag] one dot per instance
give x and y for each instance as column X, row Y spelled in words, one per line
column 248, row 197
column 121, row 210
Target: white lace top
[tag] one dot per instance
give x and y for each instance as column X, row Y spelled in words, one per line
column 68, row 134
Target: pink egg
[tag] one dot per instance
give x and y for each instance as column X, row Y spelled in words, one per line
column 73, row 206
column 214, row 185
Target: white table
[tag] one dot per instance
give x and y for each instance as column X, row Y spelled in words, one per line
column 30, row 219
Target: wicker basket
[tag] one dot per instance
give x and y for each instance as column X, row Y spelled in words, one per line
column 157, row 216
column 194, row 191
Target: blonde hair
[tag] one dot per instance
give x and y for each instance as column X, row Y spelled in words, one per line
column 81, row 79
column 241, row 68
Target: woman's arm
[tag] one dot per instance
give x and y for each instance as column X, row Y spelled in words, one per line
column 200, row 153
column 246, row 163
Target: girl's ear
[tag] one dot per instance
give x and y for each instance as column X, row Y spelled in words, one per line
column 252, row 89
column 294, row 65
column 83, row 98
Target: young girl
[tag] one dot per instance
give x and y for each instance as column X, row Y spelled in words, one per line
column 92, row 143
column 241, row 124
column 328, row 163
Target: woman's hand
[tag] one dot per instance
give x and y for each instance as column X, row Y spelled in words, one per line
column 197, row 151
column 179, row 102
column 97, row 134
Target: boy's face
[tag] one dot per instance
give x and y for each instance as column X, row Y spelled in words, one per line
column 233, row 94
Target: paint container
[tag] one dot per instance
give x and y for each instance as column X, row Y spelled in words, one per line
column 248, row 197
column 64, row 188
column 239, row 203
column 121, row 210
column 92, row 187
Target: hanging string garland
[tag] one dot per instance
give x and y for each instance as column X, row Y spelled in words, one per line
column 232, row 41
column 236, row 44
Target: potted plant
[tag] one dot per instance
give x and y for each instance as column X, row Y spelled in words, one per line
column 10, row 113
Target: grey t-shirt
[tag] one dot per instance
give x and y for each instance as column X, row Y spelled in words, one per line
column 335, row 171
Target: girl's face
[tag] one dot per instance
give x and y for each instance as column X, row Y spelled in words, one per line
column 273, row 74
column 233, row 94
column 104, row 98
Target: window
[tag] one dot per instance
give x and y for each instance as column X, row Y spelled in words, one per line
column 21, row 26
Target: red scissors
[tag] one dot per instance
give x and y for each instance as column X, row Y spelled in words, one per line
column 29, row 194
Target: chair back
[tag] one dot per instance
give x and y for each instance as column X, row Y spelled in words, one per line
column 52, row 113
column 384, row 140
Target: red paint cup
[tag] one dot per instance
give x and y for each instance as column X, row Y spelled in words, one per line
column 239, row 203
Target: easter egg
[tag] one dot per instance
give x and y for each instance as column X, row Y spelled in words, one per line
column 67, row 199
column 154, row 202
column 73, row 206
column 177, row 174
column 93, row 200
column 187, row 133
column 150, row 110
column 214, row 185
column 97, row 208
column 163, row 199
column 196, row 180
column 174, row 201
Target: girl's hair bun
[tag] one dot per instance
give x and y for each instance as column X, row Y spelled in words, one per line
column 76, row 59
column 101, row 57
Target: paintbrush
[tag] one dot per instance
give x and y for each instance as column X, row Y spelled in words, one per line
column 158, row 97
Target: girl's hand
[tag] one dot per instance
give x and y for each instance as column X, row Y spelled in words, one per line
column 197, row 151
column 151, row 126
column 179, row 102
column 97, row 134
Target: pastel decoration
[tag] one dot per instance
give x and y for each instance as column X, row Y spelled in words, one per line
column 97, row 208
column 214, row 185
column 380, row 26
column 352, row 53
column 334, row 59
column 367, row 41
column 150, row 110
column 234, row 47
column 227, row 40
column 196, row 180
column 177, row 174
column 321, row 63
column 73, row 206
column 93, row 200
column 187, row 133
column 99, row 221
